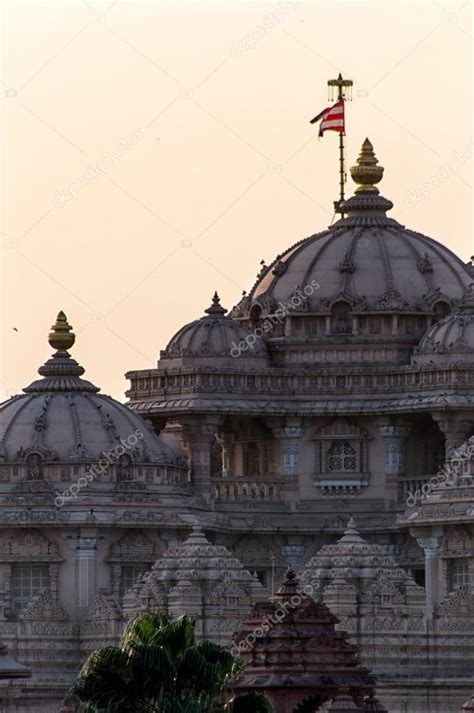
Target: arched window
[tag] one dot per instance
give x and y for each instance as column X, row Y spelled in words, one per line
column 425, row 448
column 34, row 465
column 441, row 310
column 252, row 459
column 255, row 313
column 216, row 458
column 341, row 321
column 124, row 468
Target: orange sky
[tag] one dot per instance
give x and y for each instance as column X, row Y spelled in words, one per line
column 156, row 151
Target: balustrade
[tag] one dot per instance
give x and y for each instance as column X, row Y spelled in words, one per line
column 238, row 489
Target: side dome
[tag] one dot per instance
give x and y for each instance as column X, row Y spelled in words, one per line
column 61, row 418
column 214, row 340
column 452, row 339
column 365, row 259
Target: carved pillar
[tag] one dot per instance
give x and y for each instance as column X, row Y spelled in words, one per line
column 454, row 426
column 431, row 547
column 395, row 438
column 85, row 545
column 289, row 437
column 289, row 433
column 200, row 437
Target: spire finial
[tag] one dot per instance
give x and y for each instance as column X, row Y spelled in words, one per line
column 216, row 309
column 367, row 170
column 351, row 533
column 61, row 336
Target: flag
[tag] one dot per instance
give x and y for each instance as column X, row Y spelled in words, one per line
column 332, row 118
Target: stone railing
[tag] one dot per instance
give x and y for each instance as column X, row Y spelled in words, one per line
column 411, row 485
column 238, row 489
column 405, row 379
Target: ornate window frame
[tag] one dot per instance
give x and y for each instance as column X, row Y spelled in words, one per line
column 343, row 440
column 28, row 547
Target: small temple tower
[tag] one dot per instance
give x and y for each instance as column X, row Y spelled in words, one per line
column 295, row 656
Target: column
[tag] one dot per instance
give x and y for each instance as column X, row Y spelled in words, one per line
column 289, row 435
column 289, row 438
column 200, row 437
column 395, row 448
column 431, row 547
column 85, row 545
column 395, row 438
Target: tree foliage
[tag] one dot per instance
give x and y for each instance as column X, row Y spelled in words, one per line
column 159, row 668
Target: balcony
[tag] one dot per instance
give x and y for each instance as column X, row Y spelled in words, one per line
column 238, row 489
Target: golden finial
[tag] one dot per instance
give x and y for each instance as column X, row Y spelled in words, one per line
column 61, row 337
column 367, row 171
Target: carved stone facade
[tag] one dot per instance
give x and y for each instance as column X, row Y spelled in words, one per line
column 335, row 388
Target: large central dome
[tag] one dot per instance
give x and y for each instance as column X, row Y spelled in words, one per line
column 366, row 258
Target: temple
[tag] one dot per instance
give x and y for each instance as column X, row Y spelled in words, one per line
column 325, row 423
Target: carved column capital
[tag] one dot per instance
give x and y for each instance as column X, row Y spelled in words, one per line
column 455, row 427
column 288, row 432
column 395, row 437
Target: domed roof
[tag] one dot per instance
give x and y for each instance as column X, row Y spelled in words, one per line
column 62, row 417
column 365, row 258
column 452, row 338
column 215, row 337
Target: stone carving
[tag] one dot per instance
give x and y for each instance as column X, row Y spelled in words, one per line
column 43, row 608
column 459, row 603
column 104, row 608
column 346, row 265
column 27, row 544
column 425, row 266
column 391, row 301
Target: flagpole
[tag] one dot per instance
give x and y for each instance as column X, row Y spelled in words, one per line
column 342, row 85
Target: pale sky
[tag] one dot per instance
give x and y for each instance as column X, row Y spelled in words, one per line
column 154, row 152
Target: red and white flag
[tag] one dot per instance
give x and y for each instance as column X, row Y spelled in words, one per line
column 332, row 118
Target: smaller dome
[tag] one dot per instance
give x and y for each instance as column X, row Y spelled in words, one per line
column 63, row 418
column 214, row 340
column 452, row 338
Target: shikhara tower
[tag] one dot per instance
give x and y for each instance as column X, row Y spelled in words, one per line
column 351, row 382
